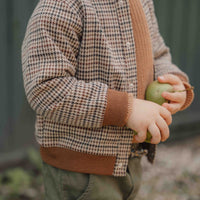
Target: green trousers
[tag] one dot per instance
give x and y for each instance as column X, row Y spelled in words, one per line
column 65, row 185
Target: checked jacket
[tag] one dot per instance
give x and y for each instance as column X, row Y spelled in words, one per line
column 82, row 60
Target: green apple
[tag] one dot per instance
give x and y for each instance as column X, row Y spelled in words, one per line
column 154, row 93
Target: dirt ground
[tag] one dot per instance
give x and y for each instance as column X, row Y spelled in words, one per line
column 175, row 174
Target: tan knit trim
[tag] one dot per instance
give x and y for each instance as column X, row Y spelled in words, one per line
column 130, row 106
column 116, row 109
column 190, row 96
column 78, row 161
column 144, row 53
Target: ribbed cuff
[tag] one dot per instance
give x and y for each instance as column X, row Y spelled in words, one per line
column 190, row 96
column 190, row 93
column 130, row 106
column 117, row 108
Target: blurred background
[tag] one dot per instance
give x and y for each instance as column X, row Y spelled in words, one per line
column 19, row 157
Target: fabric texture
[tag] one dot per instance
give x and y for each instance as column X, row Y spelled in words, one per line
column 61, row 184
column 77, row 58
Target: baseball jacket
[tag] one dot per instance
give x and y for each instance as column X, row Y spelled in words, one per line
column 83, row 62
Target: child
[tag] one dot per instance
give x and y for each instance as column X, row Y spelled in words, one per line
column 86, row 65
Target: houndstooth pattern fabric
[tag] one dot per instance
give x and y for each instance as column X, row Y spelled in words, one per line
column 73, row 51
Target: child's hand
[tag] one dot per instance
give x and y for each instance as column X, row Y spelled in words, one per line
column 150, row 116
column 177, row 99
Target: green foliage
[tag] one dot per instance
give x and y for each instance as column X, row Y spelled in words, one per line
column 25, row 181
column 14, row 181
column 17, row 180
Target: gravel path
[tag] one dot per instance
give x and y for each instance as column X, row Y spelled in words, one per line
column 175, row 174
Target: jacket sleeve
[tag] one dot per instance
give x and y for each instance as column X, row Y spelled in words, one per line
column 162, row 58
column 49, row 63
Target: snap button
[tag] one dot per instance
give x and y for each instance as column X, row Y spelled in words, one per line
column 131, row 84
column 120, row 165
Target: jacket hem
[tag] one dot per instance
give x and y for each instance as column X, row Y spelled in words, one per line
column 70, row 160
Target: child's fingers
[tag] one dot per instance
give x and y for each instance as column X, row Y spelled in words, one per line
column 166, row 115
column 176, row 97
column 164, row 129
column 140, row 137
column 169, row 78
column 155, row 132
column 172, row 107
